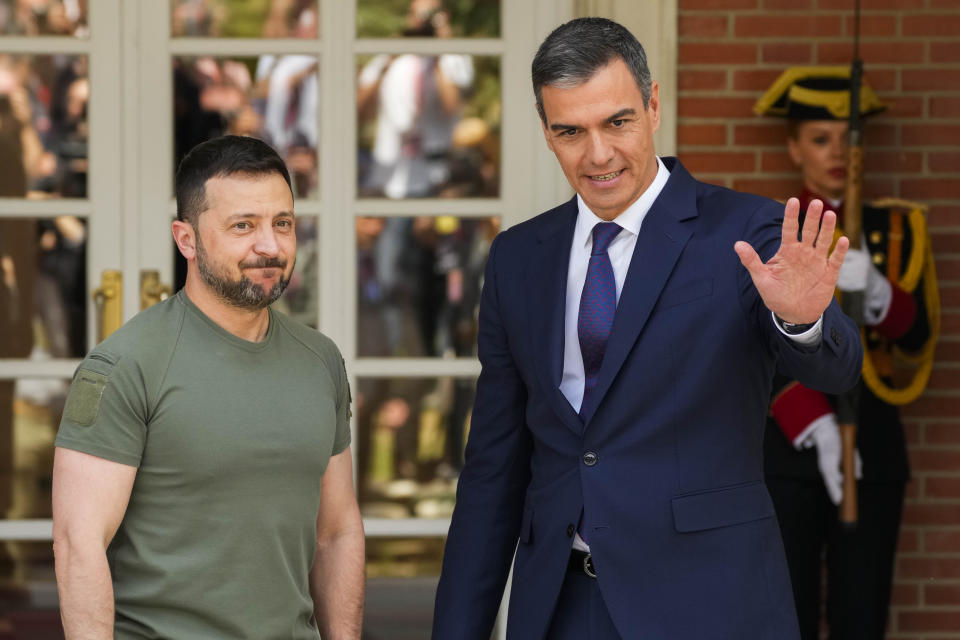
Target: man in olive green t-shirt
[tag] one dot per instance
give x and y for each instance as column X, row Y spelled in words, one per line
column 202, row 478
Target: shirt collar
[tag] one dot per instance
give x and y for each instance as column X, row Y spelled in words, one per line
column 630, row 219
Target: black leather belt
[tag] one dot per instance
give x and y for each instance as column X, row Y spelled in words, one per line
column 581, row 562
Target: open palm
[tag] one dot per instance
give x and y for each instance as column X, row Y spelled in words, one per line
column 798, row 282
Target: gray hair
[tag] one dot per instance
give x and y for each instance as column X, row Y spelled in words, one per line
column 576, row 50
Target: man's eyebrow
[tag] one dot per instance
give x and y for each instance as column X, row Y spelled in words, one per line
column 240, row 216
column 248, row 215
column 623, row 112
column 628, row 111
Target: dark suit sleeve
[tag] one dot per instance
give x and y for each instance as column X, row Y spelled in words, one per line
column 486, row 522
column 834, row 365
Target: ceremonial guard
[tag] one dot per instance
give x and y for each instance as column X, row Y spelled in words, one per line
column 893, row 273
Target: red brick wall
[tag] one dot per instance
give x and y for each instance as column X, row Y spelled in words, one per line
column 729, row 53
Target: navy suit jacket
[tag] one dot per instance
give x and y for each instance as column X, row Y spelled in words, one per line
column 681, row 527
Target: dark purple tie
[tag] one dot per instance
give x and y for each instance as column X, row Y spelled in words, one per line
column 598, row 304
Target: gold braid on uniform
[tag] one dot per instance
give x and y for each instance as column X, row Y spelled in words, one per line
column 920, row 264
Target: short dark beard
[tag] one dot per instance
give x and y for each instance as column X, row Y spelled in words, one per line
column 242, row 293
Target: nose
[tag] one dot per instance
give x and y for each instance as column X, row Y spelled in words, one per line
column 266, row 242
column 600, row 152
column 838, row 148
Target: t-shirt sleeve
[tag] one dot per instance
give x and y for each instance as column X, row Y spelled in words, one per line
column 341, row 439
column 105, row 413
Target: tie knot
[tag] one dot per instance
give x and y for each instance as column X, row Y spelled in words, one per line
column 603, row 235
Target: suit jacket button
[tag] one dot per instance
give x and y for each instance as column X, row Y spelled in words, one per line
column 570, row 530
column 590, row 458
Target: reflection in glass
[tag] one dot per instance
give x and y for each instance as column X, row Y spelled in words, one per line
column 401, row 557
column 410, row 438
column 429, row 126
column 44, row 18
column 29, row 415
column 244, row 19
column 43, row 126
column 43, row 287
column 418, row 284
column 30, row 410
column 402, row 576
column 271, row 97
column 428, row 18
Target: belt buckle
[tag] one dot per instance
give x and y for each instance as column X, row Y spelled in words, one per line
column 588, row 566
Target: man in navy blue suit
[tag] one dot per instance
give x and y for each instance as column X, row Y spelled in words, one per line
column 628, row 340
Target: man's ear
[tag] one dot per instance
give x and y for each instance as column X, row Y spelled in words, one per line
column 546, row 132
column 185, row 236
column 653, row 106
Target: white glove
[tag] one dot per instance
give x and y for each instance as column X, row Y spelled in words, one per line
column 825, row 436
column 857, row 273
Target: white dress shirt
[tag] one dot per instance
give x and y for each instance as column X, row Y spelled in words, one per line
column 620, row 252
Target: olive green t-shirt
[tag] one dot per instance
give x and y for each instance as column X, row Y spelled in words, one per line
column 230, row 439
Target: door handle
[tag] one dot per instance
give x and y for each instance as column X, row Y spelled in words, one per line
column 109, row 300
column 152, row 290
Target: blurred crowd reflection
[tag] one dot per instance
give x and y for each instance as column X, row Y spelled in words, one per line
column 43, row 154
column 411, row 434
column 461, row 18
column 43, row 18
column 418, row 284
column 424, row 128
column 43, row 109
column 244, row 18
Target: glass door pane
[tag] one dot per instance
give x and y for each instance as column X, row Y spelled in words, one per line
column 44, row 18
column 43, row 146
column 418, row 284
column 244, row 19
column 429, row 126
column 428, row 18
column 44, row 287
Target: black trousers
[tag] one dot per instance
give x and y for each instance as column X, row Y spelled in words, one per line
column 580, row 613
column 859, row 564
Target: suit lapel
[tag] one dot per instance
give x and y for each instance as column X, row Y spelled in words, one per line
column 546, row 286
column 663, row 235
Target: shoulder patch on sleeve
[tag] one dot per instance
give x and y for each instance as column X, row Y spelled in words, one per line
column 83, row 401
